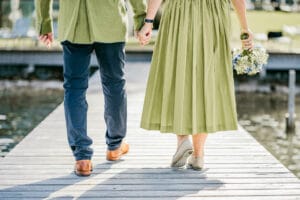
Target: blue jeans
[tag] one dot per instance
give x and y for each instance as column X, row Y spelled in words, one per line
column 111, row 58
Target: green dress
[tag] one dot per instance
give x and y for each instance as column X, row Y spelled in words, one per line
column 190, row 87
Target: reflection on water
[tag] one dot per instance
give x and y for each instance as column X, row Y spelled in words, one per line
column 23, row 105
column 263, row 115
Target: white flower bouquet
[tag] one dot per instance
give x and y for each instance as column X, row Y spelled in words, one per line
column 249, row 62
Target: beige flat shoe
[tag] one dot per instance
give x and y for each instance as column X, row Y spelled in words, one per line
column 182, row 154
column 195, row 163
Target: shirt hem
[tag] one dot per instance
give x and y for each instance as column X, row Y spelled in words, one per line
column 92, row 41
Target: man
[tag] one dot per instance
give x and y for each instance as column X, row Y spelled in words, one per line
column 86, row 26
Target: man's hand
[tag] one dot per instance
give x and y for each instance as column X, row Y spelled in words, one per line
column 47, row 39
column 144, row 35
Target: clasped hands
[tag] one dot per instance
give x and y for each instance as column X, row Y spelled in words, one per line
column 145, row 34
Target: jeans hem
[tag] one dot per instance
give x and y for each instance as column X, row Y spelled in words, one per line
column 115, row 147
column 83, row 158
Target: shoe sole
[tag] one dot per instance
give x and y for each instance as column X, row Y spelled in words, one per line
column 182, row 161
column 82, row 173
column 194, row 168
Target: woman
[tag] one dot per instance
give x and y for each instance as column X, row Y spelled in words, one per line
column 190, row 89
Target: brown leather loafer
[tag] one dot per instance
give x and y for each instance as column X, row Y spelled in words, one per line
column 118, row 153
column 83, row 168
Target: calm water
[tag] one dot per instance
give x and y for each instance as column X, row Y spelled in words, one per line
column 263, row 115
column 23, row 105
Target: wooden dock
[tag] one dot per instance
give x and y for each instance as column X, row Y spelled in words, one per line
column 237, row 167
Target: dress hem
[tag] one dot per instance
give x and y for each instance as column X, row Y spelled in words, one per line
column 187, row 131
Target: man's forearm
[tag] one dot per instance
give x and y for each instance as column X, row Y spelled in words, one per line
column 240, row 8
column 43, row 14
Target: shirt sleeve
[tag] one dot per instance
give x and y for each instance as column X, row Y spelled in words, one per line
column 43, row 16
column 139, row 9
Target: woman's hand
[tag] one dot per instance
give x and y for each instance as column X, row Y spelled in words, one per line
column 247, row 43
column 47, row 39
column 144, row 35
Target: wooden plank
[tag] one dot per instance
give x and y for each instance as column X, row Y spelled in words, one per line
column 217, row 171
column 148, row 187
column 218, row 152
column 290, row 197
column 135, row 159
column 114, row 179
column 156, row 194
column 32, row 176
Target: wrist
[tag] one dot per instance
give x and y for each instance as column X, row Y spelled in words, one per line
column 148, row 21
column 148, row 25
column 245, row 30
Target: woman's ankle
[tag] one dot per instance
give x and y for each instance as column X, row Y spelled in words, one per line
column 198, row 154
column 181, row 139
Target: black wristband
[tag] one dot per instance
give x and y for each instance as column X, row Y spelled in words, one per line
column 149, row 21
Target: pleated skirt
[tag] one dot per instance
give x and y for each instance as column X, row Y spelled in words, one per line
column 190, row 88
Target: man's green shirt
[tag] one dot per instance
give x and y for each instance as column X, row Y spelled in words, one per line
column 88, row 21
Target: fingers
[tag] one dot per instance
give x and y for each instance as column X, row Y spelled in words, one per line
column 43, row 38
column 136, row 34
column 145, row 38
column 248, row 43
column 145, row 41
column 50, row 37
column 145, row 34
column 47, row 39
